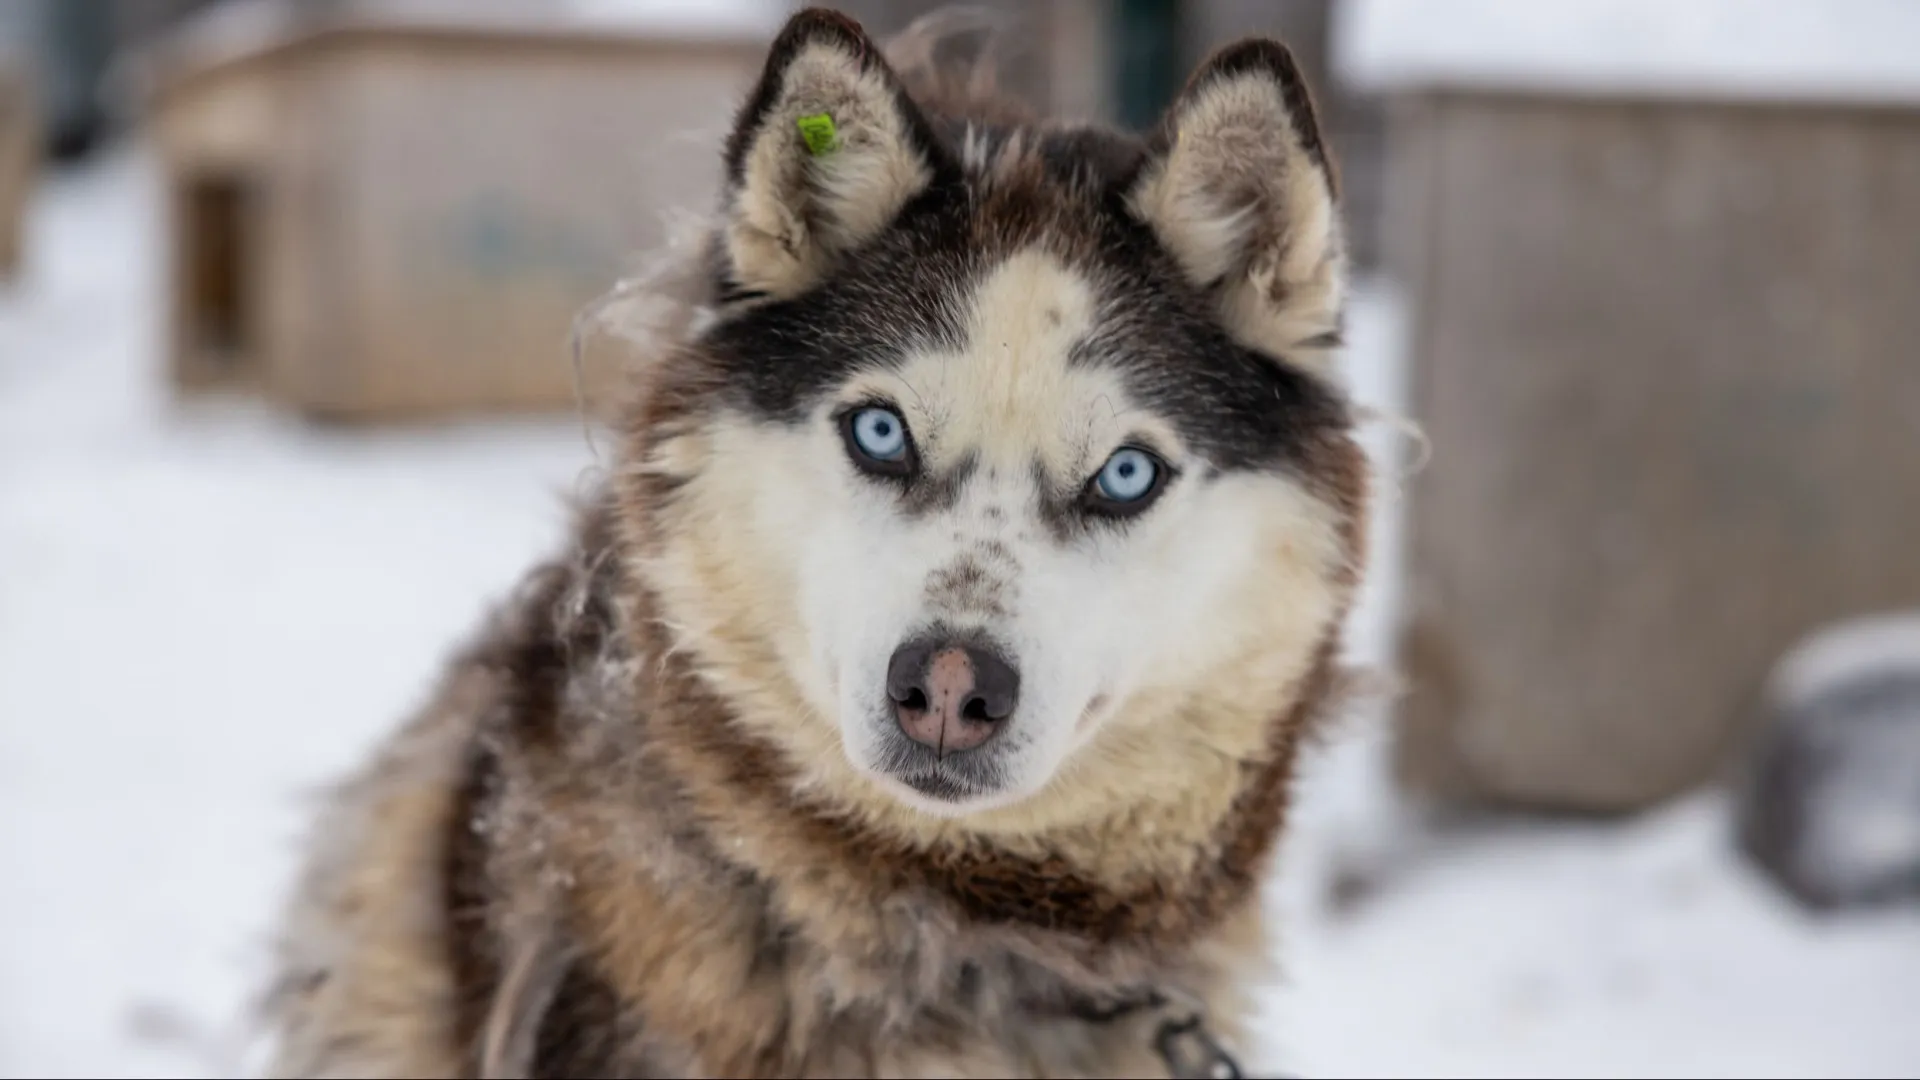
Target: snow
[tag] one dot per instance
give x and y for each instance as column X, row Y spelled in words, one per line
column 206, row 611
column 1845, row 652
column 1835, row 50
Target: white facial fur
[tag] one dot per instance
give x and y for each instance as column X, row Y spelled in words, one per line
column 1007, row 400
column 838, row 573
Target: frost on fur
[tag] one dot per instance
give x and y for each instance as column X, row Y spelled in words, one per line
column 1243, row 194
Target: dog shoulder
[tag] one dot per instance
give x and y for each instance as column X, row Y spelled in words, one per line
column 362, row 985
column 366, row 979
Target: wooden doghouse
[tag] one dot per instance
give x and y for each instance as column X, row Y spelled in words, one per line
column 19, row 158
column 384, row 212
column 1664, row 294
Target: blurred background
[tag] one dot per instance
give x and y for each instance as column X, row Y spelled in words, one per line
column 287, row 397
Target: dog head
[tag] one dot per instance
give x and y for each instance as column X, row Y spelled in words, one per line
column 1012, row 476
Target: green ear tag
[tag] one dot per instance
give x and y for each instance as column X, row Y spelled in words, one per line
column 818, row 132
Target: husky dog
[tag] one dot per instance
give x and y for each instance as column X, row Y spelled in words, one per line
column 921, row 693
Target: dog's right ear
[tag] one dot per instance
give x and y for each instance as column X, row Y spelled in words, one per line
column 824, row 153
column 1240, row 189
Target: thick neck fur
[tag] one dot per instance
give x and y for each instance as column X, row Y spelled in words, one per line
column 663, row 836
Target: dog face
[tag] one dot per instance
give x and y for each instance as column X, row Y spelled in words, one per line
column 1010, row 472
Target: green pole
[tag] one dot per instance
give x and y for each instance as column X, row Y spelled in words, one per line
column 1146, row 51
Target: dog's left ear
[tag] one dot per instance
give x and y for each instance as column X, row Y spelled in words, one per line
column 826, row 150
column 1240, row 190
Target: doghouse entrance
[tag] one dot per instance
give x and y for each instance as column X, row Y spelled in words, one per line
column 218, row 218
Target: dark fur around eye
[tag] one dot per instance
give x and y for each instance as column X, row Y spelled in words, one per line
column 1094, row 502
column 900, row 468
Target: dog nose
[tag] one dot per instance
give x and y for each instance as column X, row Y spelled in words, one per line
column 949, row 696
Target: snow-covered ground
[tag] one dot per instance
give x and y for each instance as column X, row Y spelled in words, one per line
column 206, row 611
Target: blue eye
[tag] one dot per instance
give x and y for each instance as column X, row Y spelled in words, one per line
column 879, row 434
column 1128, row 476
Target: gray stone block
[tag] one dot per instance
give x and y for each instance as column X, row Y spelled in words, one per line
column 1830, row 803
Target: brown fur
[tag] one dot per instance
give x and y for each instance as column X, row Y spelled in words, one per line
column 822, row 950
column 588, row 857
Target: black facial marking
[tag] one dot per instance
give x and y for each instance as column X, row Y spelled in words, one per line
column 993, row 551
column 908, row 290
column 965, row 587
column 897, row 296
column 930, row 492
column 1059, row 508
column 1091, row 158
column 1239, row 407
